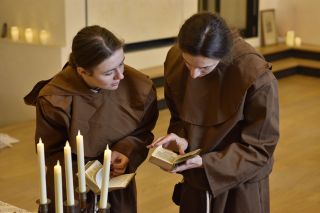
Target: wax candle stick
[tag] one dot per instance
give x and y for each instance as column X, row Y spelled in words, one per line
column 58, row 188
column 290, row 38
column 28, row 33
column 297, row 41
column 42, row 172
column 105, row 179
column 69, row 177
column 14, row 31
column 80, row 158
column 43, row 36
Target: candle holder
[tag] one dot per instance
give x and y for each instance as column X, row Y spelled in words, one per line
column 43, row 208
column 71, row 209
column 82, row 199
column 107, row 210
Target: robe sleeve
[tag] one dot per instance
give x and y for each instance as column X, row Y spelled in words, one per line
column 52, row 123
column 243, row 160
column 134, row 145
column 175, row 125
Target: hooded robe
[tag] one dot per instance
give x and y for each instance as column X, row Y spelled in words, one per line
column 122, row 119
column 232, row 115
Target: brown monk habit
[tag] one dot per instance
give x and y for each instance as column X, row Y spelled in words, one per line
column 123, row 119
column 232, row 115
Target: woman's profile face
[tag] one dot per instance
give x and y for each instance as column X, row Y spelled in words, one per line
column 108, row 74
column 199, row 66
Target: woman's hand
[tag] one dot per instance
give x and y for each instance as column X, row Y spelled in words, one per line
column 195, row 162
column 119, row 163
column 172, row 142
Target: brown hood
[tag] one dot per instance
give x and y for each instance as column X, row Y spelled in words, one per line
column 68, row 82
column 59, row 85
column 193, row 96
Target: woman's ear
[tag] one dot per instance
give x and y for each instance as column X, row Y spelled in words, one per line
column 81, row 71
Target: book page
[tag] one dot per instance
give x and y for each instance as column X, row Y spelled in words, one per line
column 92, row 170
column 181, row 158
column 121, row 181
column 98, row 178
column 164, row 154
column 118, row 182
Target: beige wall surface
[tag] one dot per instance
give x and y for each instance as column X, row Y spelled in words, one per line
column 139, row 20
column 21, row 66
column 37, row 14
column 300, row 16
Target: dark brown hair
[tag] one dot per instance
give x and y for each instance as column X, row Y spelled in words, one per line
column 205, row 34
column 92, row 45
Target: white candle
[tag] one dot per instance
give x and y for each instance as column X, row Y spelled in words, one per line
column 28, row 34
column 297, row 41
column 42, row 169
column 43, row 36
column 58, row 188
column 105, row 179
column 68, row 172
column 14, row 32
column 80, row 158
column 290, row 38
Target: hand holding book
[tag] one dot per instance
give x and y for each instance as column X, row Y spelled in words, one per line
column 172, row 142
column 165, row 157
column 195, row 162
column 119, row 163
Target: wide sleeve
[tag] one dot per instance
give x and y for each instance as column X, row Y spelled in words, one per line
column 244, row 159
column 134, row 145
column 52, row 122
column 176, row 126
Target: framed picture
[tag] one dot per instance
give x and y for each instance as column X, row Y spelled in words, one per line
column 268, row 27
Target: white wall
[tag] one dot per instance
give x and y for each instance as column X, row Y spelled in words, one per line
column 297, row 15
column 300, row 16
column 267, row 4
column 155, row 57
column 142, row 20
column 21, row 64
column 74, row 12
column 37, row 14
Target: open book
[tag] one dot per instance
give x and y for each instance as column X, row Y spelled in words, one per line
column 168, row 159
column 94, row 178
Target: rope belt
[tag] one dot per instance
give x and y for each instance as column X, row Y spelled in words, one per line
column 208, row 201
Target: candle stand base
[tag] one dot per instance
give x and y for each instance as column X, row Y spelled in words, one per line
column 82, row 199
column 43, row 208
column 71, row 209
column 107, row 210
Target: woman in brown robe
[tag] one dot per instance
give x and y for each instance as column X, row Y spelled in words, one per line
column 223, row 99
column 108, row 101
